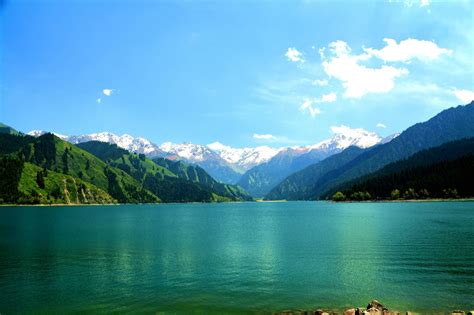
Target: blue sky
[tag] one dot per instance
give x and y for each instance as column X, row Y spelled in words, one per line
column 244, row 73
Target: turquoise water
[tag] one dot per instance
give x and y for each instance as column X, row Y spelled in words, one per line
column 236, row 257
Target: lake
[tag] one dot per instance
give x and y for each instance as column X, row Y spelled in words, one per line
column 237, row 257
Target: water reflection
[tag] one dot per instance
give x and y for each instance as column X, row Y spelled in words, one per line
column 236, row 257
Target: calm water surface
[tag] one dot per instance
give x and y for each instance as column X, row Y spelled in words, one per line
column 236, row 257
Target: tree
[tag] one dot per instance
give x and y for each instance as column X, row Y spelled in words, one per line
column 450, row 193
column 410, row 194
column 338, row 196
column 65, row 164
column 424, row 194
column 40, row 179
column 395, row 194
column 366, row 195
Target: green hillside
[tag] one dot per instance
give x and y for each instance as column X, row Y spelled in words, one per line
column 301, row 184
column 171, row 181
column 8, row 130
column 197, row 174
column 25, row 183
column 449, row 125
column 441, row 172
column 53, row 154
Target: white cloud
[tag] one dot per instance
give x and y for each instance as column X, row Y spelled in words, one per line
column 99, row 100
column 464, row 96
column 359, row 80
column 331, row 97
column 264, row 136
column 309, row 102
column 320, row 82
column 107, row 92
column 321, row 52
column 308, row 106
column 294, row 55
column 380, row 125
column 408, row 49
column 424, row 3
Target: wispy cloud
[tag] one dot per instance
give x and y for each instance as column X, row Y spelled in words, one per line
column 294, row 55
column 307, row 106
column 323, row 82
column 380, row 125
column 265, row 136
column 99, row 100
column 421, row 3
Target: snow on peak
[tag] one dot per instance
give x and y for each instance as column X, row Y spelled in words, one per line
column 37, row 133
column 188, row 151
column 240, row 158
column 345, row 137
column 217, row 146
column 244, row 158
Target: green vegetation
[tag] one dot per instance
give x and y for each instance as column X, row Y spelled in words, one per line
column 48, row 170
column 10, row 174
column 58, row 172
column 444, row 180
column 57, row 188
column 338, row 196
column 171, row 181
column 8, row 130
column 322, row 179
column 431, row 173
column 196, row 174
column 260, row 180
column 301, row 185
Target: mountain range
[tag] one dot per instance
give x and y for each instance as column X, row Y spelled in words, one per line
column 105, row 168
column 319, row 179
column 261, row 179
column 47, row 169
column 237, row 165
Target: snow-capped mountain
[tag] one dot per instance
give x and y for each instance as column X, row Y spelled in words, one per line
column 226, row 163
column 345, row 137
column 244, row 158
column 189, row 151
column 127, row 142
column 206, row 158
column 137, row 145
column 259, row 180
column 37, row 133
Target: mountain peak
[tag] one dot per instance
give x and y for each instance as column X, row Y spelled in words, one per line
column 38, row 133
column 345, row 137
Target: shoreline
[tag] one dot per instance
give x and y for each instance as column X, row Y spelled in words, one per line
column 258, row 201
column 374, row 307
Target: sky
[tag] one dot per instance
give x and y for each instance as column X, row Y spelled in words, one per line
column 244, row 73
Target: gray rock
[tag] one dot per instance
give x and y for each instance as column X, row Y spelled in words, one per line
column 374, row 311
column 351, row 311
column 375, row 304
